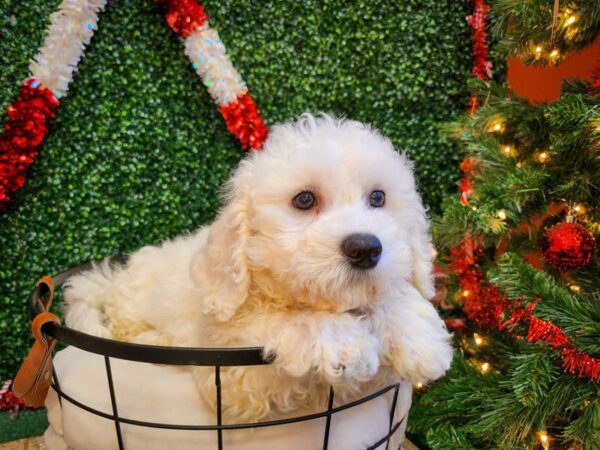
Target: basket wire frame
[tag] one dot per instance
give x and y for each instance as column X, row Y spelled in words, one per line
column 216, row 357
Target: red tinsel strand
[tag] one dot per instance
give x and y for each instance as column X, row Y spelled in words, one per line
column 243, row 119
column 581, row 364
column 8, row 401
column 482, row 66
column 519, row 315
column 547, row 332
column 473, row 105
column 465, row 186
column 27, row 126
column 184, row 16
column 487, row 306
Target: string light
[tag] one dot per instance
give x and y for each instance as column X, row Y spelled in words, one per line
column 485, row 367
column 501, row 214
column 478, row 339
column 579, row 208
column 542, row 157
column 495, row 125
column 465, row 293
column 520, row 165
column 571, row 20
column 544, row 439
column 575, row 288
column 509, row 150
column 474, row 208
column 554, row 54
column 419, row 385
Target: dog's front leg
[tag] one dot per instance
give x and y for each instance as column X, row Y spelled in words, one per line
column 338, row 347
column 415, row 342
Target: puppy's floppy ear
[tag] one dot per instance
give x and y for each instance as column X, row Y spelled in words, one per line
column 220, row 269
column 422, row 253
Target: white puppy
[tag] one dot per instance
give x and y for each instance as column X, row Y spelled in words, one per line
column 321, row 255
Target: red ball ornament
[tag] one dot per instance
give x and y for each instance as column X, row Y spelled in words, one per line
column 567, row 246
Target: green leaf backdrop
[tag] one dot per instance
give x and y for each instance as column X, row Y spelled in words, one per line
column 138, row 150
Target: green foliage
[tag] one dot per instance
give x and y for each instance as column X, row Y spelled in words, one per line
column 138, row 150
column 27, row 423
column 529, row 390
column 505, row 410
column 521, row 184
column 524, row 25
column 578, row 316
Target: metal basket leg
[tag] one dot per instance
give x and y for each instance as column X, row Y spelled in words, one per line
column 328, row 420
column 57, row 385
column 392, row 413
column 113, row 400
column 219, row 411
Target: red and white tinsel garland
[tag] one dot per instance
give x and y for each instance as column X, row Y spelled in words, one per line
column 8, row 401
column 209, row 58
column 51, row 71
column 71, row 29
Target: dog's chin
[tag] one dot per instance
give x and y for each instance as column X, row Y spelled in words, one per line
column 353, row 292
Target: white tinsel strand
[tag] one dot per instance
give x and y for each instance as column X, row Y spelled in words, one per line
column 210, row 60
column 71, row 29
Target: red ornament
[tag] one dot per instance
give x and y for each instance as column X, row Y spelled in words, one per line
column 567, row 246
column 243, row 119
column 185, row 16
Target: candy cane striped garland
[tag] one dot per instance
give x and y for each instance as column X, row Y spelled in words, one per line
column 209, row 58
column 71, row 29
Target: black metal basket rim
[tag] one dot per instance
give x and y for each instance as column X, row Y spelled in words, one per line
column 237, row 426
column 247, row 356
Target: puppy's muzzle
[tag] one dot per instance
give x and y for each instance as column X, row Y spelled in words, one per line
column 362, row 250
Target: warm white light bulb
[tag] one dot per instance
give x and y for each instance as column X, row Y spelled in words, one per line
column 544, row 439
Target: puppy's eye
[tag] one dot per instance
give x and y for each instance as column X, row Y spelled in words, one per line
column 304, row 200
column 377, row 199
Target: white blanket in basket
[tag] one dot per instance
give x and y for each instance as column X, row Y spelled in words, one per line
column 167, row 394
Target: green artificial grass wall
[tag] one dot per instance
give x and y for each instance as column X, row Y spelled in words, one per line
column 25, row 424
column 138, row 150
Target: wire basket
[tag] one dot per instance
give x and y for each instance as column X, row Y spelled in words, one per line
column 179, row 356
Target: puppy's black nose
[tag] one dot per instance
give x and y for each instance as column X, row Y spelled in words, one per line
column 363, row 250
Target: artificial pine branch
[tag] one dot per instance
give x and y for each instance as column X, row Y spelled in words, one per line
column 525, row 28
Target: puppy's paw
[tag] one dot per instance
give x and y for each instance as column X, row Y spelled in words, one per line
column 354, row 358
column 337, row 349
column 421, row 360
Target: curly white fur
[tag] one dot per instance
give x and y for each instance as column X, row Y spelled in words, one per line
column 267, row 274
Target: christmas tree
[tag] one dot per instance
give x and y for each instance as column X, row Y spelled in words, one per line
column 519, row 246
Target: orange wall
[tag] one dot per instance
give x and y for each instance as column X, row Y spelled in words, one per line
column 542, row 84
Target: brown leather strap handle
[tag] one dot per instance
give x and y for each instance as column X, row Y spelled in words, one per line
column 35, row 374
